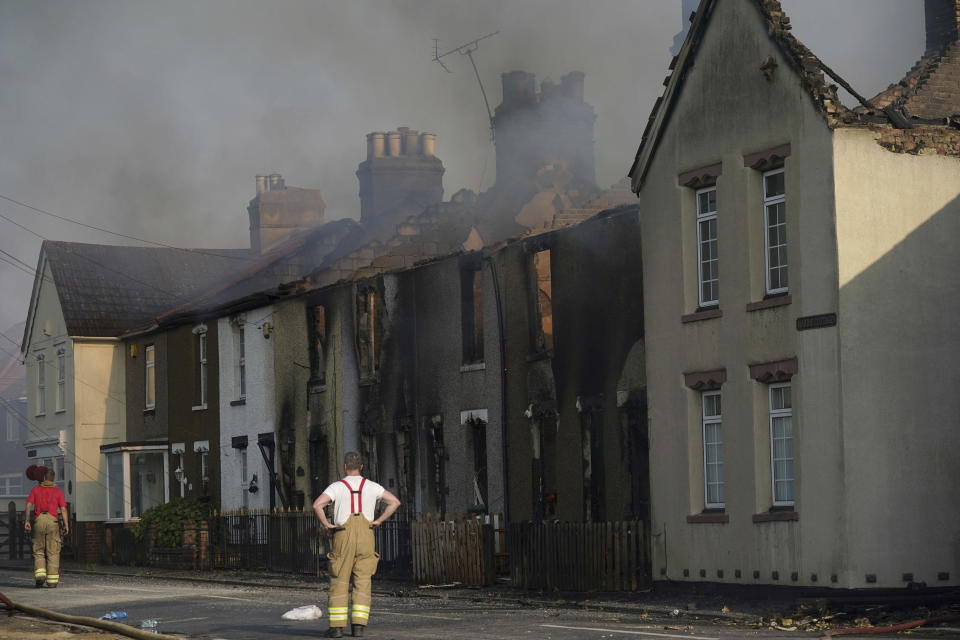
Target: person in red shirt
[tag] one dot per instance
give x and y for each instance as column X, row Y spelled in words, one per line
column 46, row 498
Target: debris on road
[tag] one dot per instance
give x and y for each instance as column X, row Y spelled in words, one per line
column 306, row 612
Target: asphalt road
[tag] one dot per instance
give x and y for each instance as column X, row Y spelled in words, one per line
column 214, row 611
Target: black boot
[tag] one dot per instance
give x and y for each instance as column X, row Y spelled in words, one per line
column 40, row 583
column 358, row 631
column 334, row 632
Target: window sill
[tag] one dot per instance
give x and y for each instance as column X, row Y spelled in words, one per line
column 201, row 407
column 709, row 517
column 149, row 411
column 705, row 314
column 238, row 403
column 316, row 388
column 473, row 366
column 779, row 300
column 786, row 515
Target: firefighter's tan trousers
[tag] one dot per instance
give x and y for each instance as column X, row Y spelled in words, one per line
column 46, row 549
column 353, row 554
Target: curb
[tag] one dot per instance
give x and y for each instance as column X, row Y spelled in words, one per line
column 528, row 601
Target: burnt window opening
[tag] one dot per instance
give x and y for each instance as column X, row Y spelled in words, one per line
column 471, row 314
column 439, row 451
column 478, row 430
column 368, row 340
column 318, row 346
column 591, row 440
column 543, row 302
column 543, row 432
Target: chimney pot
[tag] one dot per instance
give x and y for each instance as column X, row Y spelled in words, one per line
column 410, row 142
column 572, row 85
column 427, row 143
column 375, row 145
column 519, row 88
column 276, row 182
column 393, row 143
column 261, row 184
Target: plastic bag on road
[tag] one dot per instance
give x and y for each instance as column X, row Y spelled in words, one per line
column 306, row 612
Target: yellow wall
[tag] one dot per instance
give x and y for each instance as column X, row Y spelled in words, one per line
column 898, row 222
column 727, row 109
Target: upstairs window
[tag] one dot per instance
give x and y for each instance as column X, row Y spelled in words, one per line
column 708, row 272
column 150, row 376
column 543, row 330
column 318, row 361
column 61, row 401
column 775, row 221
column 471, row 314
column 200, row 375
column 41, row 383
column 368, row 340
column 239, row 358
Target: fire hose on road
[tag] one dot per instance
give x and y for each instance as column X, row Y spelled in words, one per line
column 114, row 627
column 890, row 629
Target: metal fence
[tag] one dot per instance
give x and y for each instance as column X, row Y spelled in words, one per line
column 13, row 539
column 293, row 542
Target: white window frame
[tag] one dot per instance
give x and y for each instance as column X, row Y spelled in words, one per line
column 768, row 203
column 6, row 489
column 41, row 383
column 201, row 333
column 61, row 399
column 710, row 420
column 150, row 385
column 707, row 217
column 13, row 426
column 124, row 453
column 786, row 412
column 240, row 358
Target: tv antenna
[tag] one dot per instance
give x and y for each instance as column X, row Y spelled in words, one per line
column 467, row 50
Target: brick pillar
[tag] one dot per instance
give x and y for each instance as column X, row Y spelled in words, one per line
column 152, row 532
column 203, row 545
column 91, row 536
column 190, row 544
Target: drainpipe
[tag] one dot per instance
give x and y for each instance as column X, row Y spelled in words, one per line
column 503, row 389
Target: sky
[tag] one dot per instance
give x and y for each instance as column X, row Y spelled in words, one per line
column 152, row 117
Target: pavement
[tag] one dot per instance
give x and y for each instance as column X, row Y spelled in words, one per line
column 757, row 606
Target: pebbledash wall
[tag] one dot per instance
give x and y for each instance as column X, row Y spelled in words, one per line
column 873, row 388
column 246, row 411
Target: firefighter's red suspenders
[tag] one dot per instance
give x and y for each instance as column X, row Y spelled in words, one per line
column 358, row 493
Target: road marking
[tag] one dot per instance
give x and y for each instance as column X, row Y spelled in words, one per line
column 202, row 595
column 416, row 615
column 653, row 634
column 182, row 620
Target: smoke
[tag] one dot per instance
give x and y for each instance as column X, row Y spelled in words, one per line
column 153, row 118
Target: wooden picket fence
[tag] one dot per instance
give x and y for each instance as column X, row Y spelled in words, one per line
column 579, row 556
column 458, row 549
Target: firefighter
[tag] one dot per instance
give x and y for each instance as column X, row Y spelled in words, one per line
column 46, row 498
column 354, row 500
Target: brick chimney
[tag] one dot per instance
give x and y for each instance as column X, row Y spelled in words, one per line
column 278, row 211
column 942, row 19
column 536, row 129
column 400, row 177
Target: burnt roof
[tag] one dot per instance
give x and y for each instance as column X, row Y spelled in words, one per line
column 930, row 90
column 813, row 75
column 105, row 290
